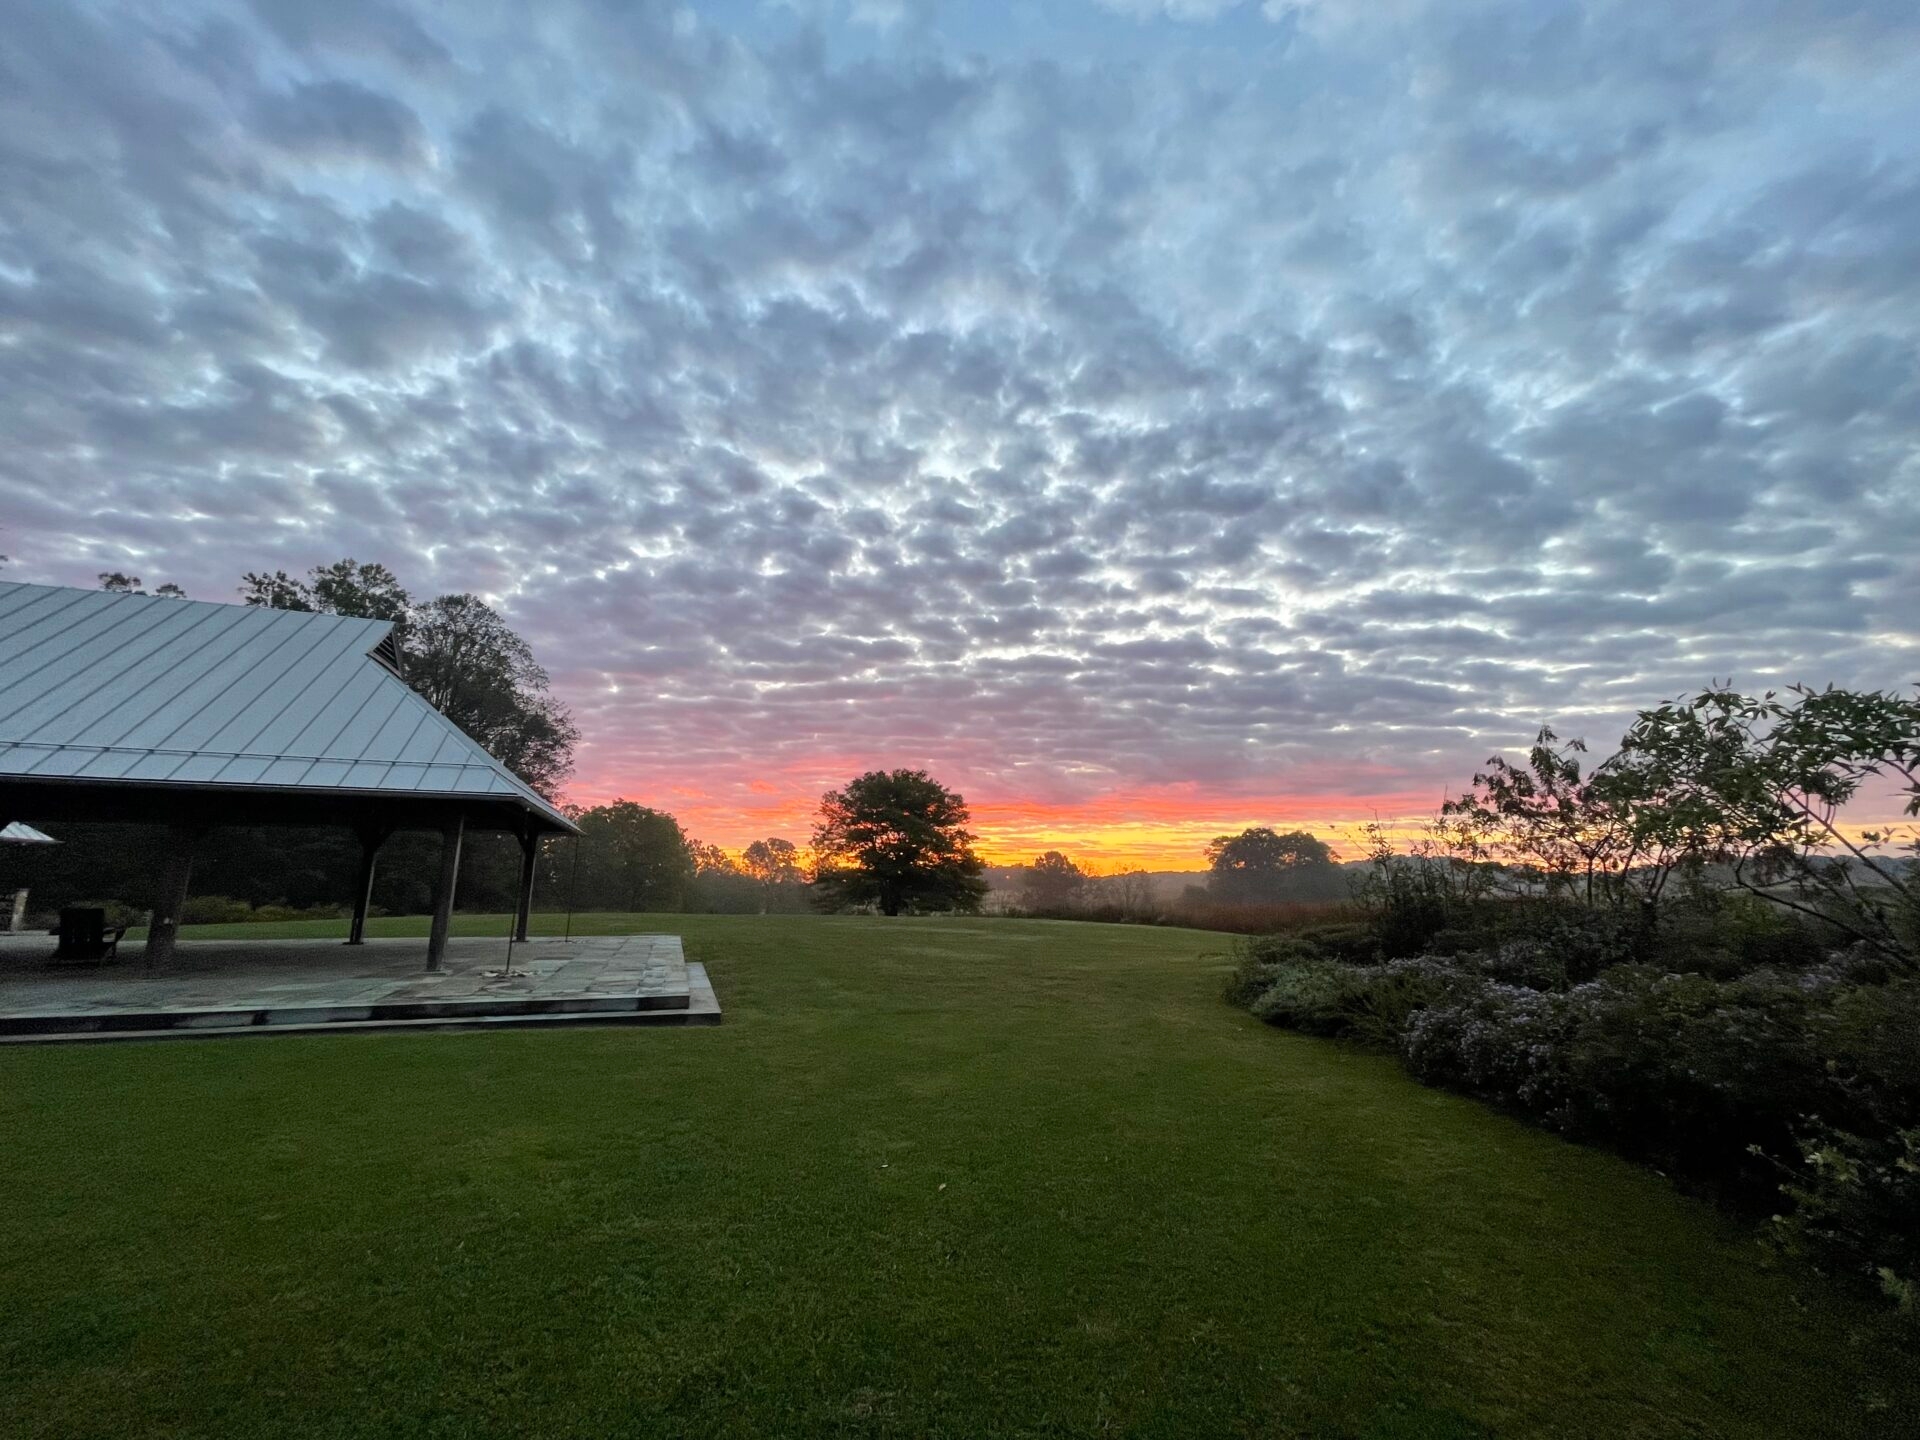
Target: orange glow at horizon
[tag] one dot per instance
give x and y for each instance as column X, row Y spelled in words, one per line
column 1152, row 829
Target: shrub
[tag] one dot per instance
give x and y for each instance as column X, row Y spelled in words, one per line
column 1286, row 984
column 1258, row 961
column 1730, row 935
column 1388, row 997
column 298, row 912
column 1583, row 940
column 1312, row 996
column 1870, row 1035
column 1732, row 1084
column 1504, row 1043
column 1353, row 941
column 1410, row 901
column 1696, row 1075
column 1523, row 961
column 1856, row 1207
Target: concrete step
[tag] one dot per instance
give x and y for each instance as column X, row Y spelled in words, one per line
column 700, row 1007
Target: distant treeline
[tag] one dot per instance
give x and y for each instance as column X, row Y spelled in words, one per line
column 1256, row 881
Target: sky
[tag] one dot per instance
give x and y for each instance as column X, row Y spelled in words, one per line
column 1151, row 418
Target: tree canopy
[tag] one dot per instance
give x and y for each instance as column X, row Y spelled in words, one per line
column 457, row 652
column 773, row 862
column 471, row 667
column 1052, row 881
column 1260, row 866
column 115, row 583
column 898, row 839
column 630, row 857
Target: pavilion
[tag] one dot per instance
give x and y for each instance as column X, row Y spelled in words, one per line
column 190, row 714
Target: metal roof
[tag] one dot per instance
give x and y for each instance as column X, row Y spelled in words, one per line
column 144, row 689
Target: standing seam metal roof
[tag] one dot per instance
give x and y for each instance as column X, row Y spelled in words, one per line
column 143, row 688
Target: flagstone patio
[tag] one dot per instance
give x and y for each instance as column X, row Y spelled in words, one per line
column 229, row 987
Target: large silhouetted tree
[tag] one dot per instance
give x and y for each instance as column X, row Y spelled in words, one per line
column 1261, row 866
column 1052, row 881
column 775, row 867
column 630, row 858
column 898, row 839
column 471, row 667
column 773, row 862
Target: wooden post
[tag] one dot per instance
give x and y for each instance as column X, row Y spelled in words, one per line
column 372, row 837
column 529, row 852
column 172, row 899
column 443, row 897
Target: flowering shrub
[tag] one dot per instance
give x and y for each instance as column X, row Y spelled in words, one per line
column 1681, row 952
column 1504, row 1043
column 1289, row 984
column 1311, row 996
column 1726, row 1083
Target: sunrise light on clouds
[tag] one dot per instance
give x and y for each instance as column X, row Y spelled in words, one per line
column 1151, row 419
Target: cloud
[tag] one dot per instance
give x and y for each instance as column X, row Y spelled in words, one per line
column 1200, row 10
column 338, row 118
column 1238, row 416
column 368, row 27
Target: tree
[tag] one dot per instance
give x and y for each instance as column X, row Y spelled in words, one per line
column 721, row 885
column 631, row 858
column 463, row 659
column 773, row 862
column 1130, row 891
column 369, row 591
column 778, row 877
column 457, row 652
column 711, row 859
column 1259, row 866
column 1759, row 783
column 114, row 583
column 1052, row 882
column 278, row 591
column 896, row 838
column 1613, row 837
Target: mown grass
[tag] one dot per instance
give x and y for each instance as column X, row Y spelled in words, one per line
column 940, row 1177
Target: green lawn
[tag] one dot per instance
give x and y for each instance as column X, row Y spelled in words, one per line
column 931, row 1177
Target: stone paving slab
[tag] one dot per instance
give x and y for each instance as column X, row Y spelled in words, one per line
column 219, row 984
column 703, row 1009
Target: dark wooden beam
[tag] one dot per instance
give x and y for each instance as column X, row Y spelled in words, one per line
column 443, row 896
